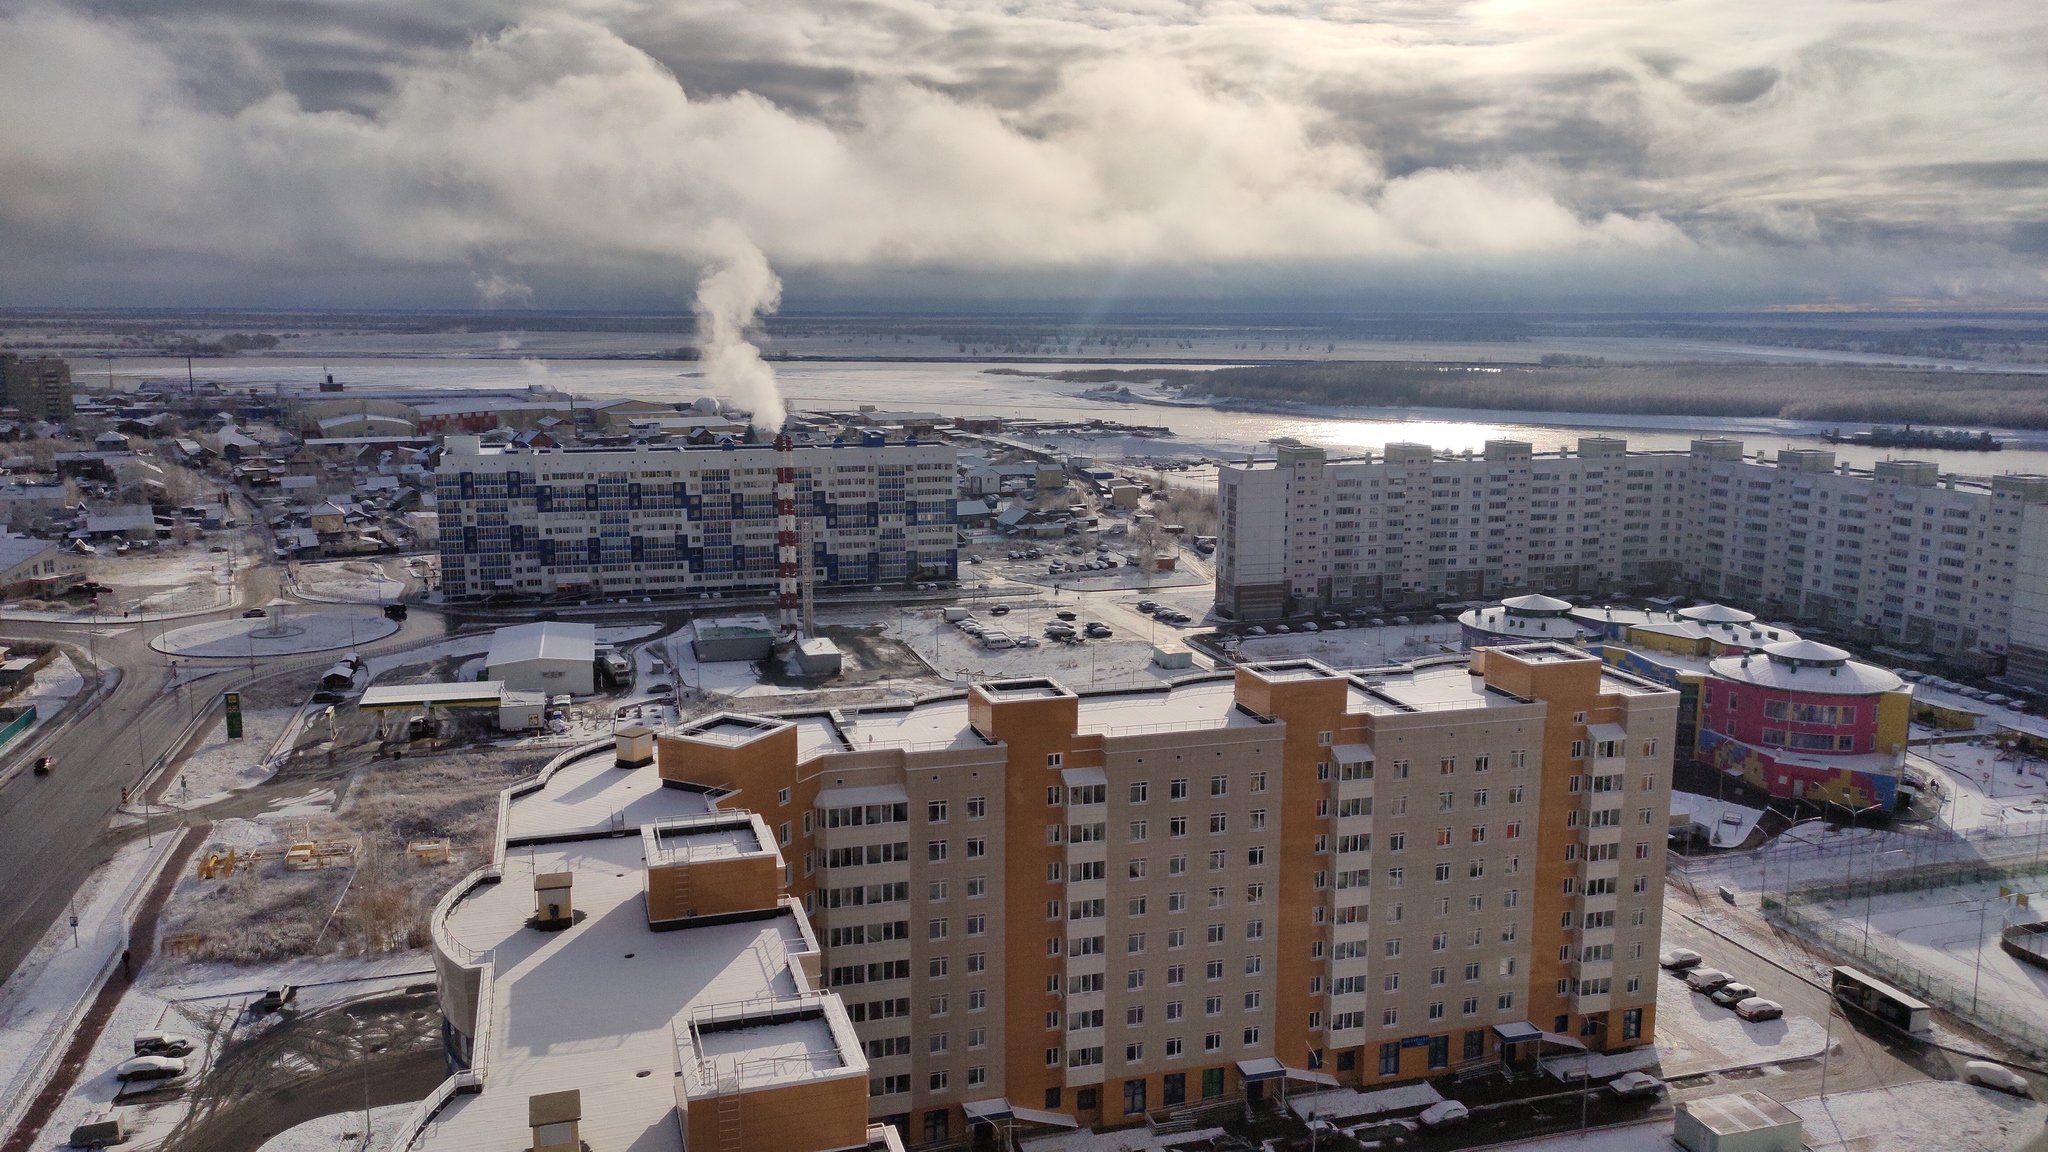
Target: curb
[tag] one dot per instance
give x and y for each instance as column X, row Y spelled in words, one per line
column 59, row 1041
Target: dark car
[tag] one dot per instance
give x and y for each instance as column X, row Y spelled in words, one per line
column 254, row 614
column 1000, row 610
column 1097, row 630
column 328, row 696
column 1064, row 615
column 394, row 611
column 43, row 765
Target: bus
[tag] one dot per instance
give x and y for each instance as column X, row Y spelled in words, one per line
column 1887, row 1004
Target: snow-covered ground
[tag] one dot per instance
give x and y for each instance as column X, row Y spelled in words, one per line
column 1986, row 791
column 196, row 999
column 220, row 765
column 188, row 579
column 40, row 1001
column 1123, row 660
column 342, row 1132
column 1694, row 1034
column 306, row 631
column 347, row 582
column 1917, row 1116
column 1952, row 935
column 1355, row 647
column 55, row 683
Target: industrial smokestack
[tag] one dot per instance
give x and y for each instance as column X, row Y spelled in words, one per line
column 787, row 595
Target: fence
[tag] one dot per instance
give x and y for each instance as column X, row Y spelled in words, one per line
column 1870, row 953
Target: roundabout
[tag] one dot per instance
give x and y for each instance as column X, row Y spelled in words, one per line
column 280, row 632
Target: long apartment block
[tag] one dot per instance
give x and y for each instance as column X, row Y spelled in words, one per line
column 664, row 520
column 1079, row 908
column 1900, row 551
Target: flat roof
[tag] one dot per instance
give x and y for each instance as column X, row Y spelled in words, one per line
column 585, row 795
column 476, row 693
column 1740, row 1112
column 698, row 839
column 1443, row 687
column 731, row 729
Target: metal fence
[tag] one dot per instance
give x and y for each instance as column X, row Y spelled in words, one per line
column 1872, row 953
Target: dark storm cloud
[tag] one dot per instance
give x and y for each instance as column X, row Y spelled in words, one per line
column 1694, row 150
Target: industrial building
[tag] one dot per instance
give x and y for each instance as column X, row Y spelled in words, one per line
column 1900, row 553
column 553, row 657
column 674, row 519
column 1090, row 907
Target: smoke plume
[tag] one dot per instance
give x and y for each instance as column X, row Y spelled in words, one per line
column 737, row 287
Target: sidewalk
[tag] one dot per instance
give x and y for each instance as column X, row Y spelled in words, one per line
column 42, row 1002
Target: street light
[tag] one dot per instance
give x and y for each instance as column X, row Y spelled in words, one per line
column 1869, row 886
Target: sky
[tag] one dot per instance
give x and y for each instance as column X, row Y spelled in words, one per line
column 1647, row 154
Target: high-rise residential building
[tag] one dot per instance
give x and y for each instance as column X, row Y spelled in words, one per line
column 40, row 386
column 1900, row 553
column 1082, row 907
column 653, row 521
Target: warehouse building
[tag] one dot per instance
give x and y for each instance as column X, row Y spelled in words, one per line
column 552, row 657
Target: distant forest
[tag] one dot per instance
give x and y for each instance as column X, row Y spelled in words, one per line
column 1825, row 393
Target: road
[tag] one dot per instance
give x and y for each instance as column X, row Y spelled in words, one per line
column 54, row 830
column 1862, row 1057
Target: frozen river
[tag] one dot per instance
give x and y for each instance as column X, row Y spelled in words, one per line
column 967, row 388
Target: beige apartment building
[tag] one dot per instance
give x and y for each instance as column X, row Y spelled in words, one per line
column 1898, row 553
column 1074, row 909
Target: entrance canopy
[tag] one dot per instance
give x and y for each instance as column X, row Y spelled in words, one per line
column 990, row 1111
column 1267, row 1068
column 1517, row 1032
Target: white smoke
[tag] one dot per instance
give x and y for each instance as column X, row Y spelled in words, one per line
column 496, row 290
column 738, row 286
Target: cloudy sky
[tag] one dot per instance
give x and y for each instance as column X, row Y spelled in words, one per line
column 1379, row 153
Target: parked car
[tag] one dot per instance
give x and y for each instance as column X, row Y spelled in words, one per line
column 1634, row 1084
column 1147, row 605
column 1311, row 626
column 1758, row 1008
column 1443, row 1114
column 1255, row 630
column 1732, row 993
column 1996, row 1076
column 1706, row 979
column 1097, row 630
column 328, row 696
column 149, row 1068
column 1281, row 629
column 1027, row 641
column 1000, row 610
column 162, row 1044
column 1064, row 614
column 1678, row 959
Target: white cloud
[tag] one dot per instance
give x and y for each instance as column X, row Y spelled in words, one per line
column 1039, row 144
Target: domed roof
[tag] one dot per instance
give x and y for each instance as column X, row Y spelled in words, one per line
column 1805, row 652
column 1716, row 614
column 1536, row 605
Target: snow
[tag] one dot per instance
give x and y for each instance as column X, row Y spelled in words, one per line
column 1123, row 660
column 1707, row 814
column 1653, row 1136
column 1984, row 789
column 55, row 683
column 220, row 765
column 1604, row 1066
column 314, row 631
column 1345, row 1105
column 343, row 1130
column 474, row 645
column 1696, row 1035
column 191, row 999
column 41, row 1000
column 1944, row 932
column 1921, row 1114
column 1355, row 647
column 346, row 582
column 168, row 581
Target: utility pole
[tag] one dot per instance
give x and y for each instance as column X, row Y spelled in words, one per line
column 1977, row 980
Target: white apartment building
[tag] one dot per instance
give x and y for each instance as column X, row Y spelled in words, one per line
column 673, row 519
column 1902, row 552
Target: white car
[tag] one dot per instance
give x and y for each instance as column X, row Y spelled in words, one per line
column 1704, row 980
column 1678, row 959
column 1634, row 1084
column 1997, row 1076
column 1758, row 1008
column 1444, row 1113
column 149, row 1068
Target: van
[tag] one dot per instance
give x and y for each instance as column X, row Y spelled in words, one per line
column 996, row 641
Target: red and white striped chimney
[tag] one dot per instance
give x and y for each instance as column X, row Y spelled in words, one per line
column 787, row 596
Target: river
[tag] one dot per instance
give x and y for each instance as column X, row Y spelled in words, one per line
column 966, row 388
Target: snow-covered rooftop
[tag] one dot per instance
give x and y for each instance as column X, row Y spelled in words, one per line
column 547, row 640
